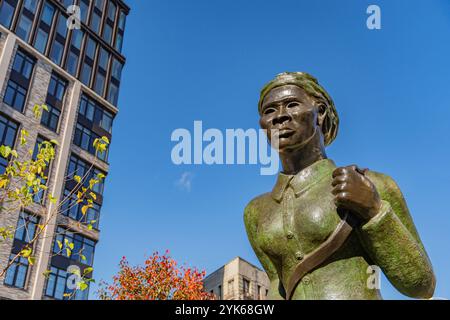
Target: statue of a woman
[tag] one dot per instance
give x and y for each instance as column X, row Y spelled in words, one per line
column 322, row 229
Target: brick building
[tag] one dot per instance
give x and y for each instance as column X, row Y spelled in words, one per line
column 238, row 280
column 76, row 72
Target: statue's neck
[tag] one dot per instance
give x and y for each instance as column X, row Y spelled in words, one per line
column 294, row 161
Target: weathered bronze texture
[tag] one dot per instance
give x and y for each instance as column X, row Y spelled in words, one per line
column 321, row 227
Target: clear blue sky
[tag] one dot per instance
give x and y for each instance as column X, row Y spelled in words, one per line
column 207, row 60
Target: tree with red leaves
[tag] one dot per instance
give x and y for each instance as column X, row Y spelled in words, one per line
column 160, row 278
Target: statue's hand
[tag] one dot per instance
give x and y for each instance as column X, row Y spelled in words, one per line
column 355, row 192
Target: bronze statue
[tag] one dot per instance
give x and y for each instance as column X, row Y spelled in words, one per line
column 321, row 227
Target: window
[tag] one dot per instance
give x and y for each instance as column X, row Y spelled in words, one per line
column 72, row 210
column 107, row 32
column 116, row 73
column 8, row 131
column 83, row 248
column 26, row 227
column 41, row 40
column 54, row 100
column 67, row 3
column 15, row 95
column 74, row 51
column 77, row 167
column 84, row 10
column 50, row 118
column 57, row 87
column 231, row 287
column 260, row 296
column 103, row 59
column 109, row 22
column 86, row 74
column 47, row 14
column 84, row 138
column 23, row 64
column 220, row 293
column 120, row 31
column 16, row 90
column 91, row 47
column 112, row 11
column 89, row 56
column 40, row 43
column 17, row 272
column 30, row 5
column 7, row 9
column 24, row 27
column 246, row 286
column 96, row 18
column 95, row 113
column 56, row 286
column 80, row 168
column 57, row 50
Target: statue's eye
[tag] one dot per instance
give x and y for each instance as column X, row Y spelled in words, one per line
column 268, row 110
column 292, row 104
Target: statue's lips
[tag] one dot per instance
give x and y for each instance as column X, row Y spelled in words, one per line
column 285, row 133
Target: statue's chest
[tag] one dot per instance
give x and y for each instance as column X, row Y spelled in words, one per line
column 297, row 225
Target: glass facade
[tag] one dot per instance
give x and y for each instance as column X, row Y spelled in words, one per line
column 88, row 53
column 8, row 133
column 91, row 54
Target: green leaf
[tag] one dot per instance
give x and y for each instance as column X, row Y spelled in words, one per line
column 84, row 210
column 105, row 139
column 5, row 151
column 37, row 111
column 88, row 270
column 60, row 245
column 26, row 252
column 46, row 273
column 52, row 199
column 83, row 286
column 23, row 136
column 77, row 178
column 31, row 260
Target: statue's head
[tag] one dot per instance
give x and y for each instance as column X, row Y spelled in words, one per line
column 299, row 107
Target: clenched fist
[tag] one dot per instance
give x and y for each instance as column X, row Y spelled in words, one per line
column 354, row 192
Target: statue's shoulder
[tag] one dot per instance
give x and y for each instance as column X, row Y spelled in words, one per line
column 254, row 207
column 384, row 183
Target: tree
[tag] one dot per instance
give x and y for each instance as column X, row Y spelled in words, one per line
column 160, row 278
column 23, row 184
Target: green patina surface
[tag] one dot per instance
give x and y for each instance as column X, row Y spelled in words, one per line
column 299, row 214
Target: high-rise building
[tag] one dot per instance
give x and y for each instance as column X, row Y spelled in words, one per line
column 73, row 66
column 238, row 280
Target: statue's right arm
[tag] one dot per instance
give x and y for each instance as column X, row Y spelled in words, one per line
column 276, row 291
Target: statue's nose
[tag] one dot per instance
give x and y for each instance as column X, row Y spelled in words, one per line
column 281, row 117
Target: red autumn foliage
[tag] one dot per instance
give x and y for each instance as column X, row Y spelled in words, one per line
column 160, row 278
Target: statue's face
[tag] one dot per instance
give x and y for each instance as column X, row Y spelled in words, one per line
column 293, row 112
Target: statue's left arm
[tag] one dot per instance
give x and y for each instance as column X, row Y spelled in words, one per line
column 392, row 241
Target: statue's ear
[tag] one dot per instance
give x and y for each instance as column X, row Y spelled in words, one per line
column 322, row 115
